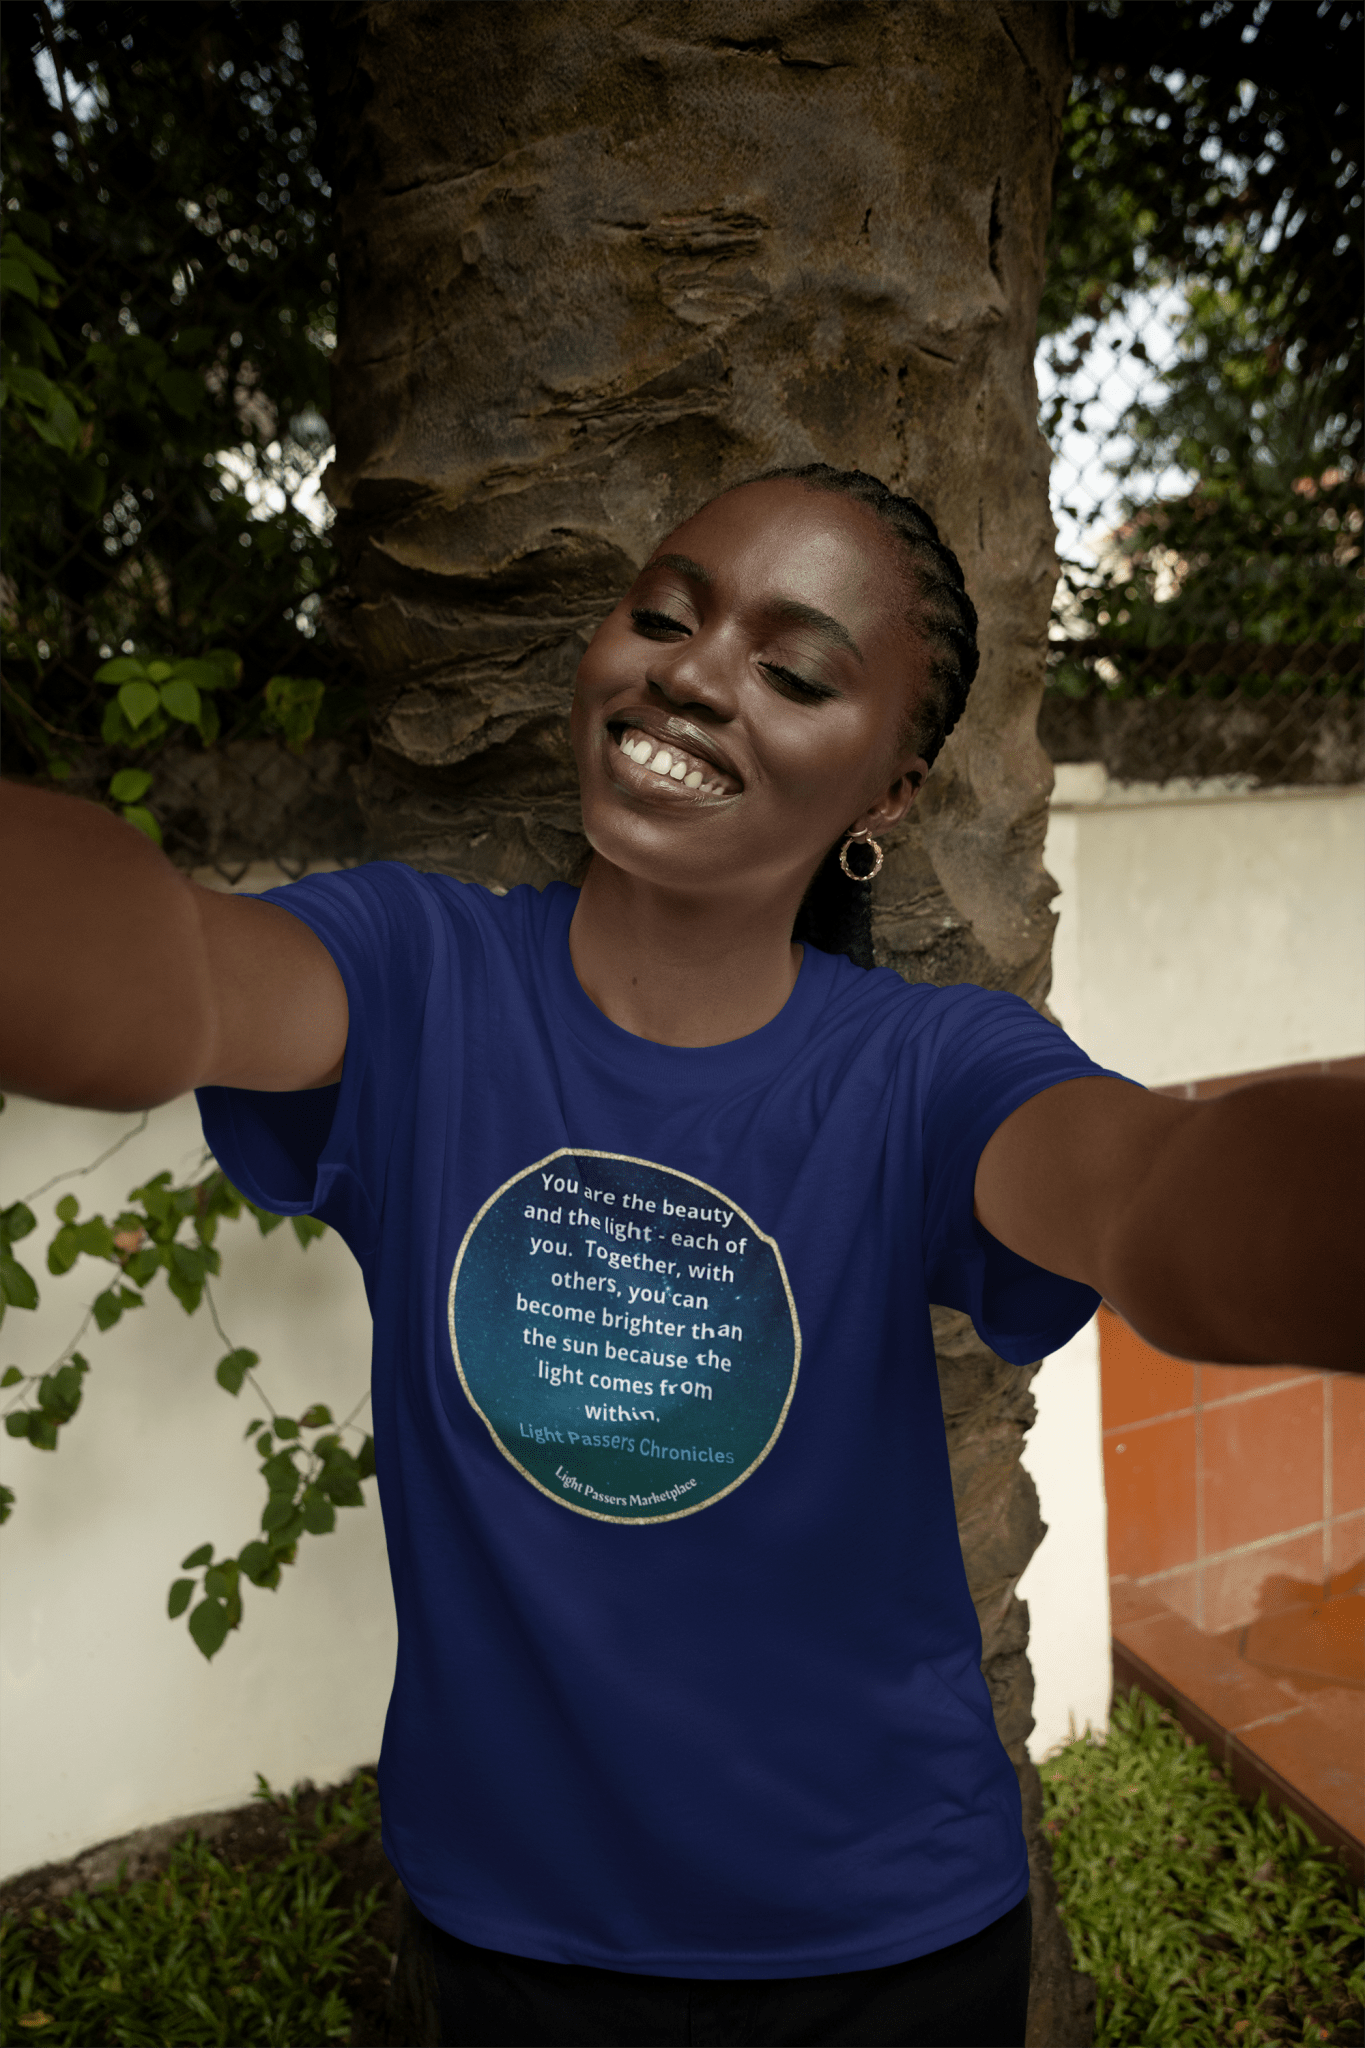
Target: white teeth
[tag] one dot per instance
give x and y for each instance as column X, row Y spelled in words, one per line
column 678, row 770
column 691, row 781
column 643, row 750
column 662, row 762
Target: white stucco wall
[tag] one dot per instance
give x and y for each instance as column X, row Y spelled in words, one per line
column 1201, row 932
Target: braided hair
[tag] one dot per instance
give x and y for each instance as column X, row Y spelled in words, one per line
column 836, row 914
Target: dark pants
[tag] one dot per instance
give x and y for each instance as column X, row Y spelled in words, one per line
column 972, row 1995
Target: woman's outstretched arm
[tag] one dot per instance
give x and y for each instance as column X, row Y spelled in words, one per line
column 1229, row 1231
column 125, row 984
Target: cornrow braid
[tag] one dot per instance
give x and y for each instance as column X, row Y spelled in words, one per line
column 836, row 914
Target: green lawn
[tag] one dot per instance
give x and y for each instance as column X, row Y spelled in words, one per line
column 1202, row 1923
column 212, row 1951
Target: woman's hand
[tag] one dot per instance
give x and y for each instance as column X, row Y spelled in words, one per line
column 1229, row 1231
column 126, row 984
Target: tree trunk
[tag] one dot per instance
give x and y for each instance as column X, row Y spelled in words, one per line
column 599, row 261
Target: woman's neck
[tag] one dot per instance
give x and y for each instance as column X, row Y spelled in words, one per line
column 677, row 969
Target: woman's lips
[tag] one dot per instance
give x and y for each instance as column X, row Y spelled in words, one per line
column 666, row 762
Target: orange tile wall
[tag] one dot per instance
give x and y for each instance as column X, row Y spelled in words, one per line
column 1229, row 1487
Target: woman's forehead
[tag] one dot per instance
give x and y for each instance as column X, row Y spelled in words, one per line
column 780, row 537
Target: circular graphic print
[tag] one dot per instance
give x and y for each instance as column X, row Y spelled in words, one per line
column 627, row 1334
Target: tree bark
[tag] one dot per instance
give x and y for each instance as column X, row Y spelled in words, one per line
column 599, row 261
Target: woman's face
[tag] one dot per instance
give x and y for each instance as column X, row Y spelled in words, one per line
column 745, row 703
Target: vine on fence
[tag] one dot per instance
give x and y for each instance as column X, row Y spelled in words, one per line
column 305, row 1465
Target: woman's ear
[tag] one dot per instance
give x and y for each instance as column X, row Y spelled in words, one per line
column 894, row 802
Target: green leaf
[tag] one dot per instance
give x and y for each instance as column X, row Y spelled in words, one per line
column 181, row 1594
column 108, row 1308
column 316, row 1417
column 85, row 483
column 63, row 1251
column 286, row 1427
column 182, row 391
column 11, row 1376
column 281, row 1474
column 306, row 1228
column 14, row 246
column 140, row 817
column 233, row 1369
column 42, row 1431
column 68, row 1209
column 277, row 1513
column 17, row 1422
column 61, row 428
column 59, row 1393
column 292, row 704
column 137, row 702
column 364, row 1463
column 203, row 1555
column 209, row 1626
column 17, row 1221
column 129, row 784
column 255, row 1557
column 124, row 668
column 30, row 385
column 17, row 277
column 95, row 1238
column 319, row 1516
column 181, row 700
column 6, row 1502
column 252, row 1427
column 17, row 1283
column 220, row 1580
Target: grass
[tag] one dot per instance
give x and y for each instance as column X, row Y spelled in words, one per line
column 210, row 1950
column 1203, row 1923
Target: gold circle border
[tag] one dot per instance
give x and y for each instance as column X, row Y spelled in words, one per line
column 627, row 1159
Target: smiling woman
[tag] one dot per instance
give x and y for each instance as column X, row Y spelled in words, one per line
column 689, row 1735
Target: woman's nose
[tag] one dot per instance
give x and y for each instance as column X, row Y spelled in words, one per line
column 698, row 677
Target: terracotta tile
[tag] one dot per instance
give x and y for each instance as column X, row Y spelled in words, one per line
column 1208, row 1671
column 1263, row 1465
column 1265, row 1581
column 1149, row 1485
column 1323, row 1641
column 1130, row 1601
column 1135, row 1381
column 1349, row 1580
column 1224, row 1382
column 1348, row 1443
column 1178, row 1592
column 1345, row 1544
column 1318, row 1751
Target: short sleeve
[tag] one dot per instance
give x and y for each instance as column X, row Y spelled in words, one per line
column 324, row 1151
column 991, row 1054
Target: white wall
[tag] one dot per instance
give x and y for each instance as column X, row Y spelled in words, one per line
column 1201, row 932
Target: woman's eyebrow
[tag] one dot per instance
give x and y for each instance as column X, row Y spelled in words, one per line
column 788, row 609
column 798, row 614
column 684, row 565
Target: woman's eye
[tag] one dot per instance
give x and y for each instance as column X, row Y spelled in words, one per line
column 654, row 625
column 797, row 686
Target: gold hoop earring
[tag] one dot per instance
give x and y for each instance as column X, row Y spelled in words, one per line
column 861, row 839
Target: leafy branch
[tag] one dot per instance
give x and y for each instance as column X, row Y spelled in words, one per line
column 306, row 1467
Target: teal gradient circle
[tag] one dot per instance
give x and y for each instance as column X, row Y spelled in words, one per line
column 626, row 1333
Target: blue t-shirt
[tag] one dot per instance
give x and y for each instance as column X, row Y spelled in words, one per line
column 688, row 1676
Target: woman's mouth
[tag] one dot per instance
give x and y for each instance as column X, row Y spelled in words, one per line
column 670, row 762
